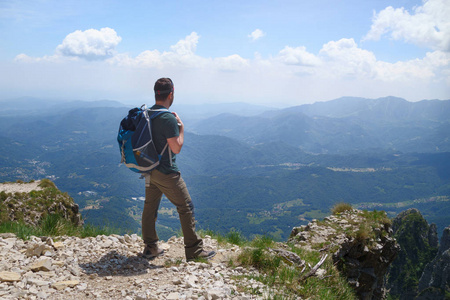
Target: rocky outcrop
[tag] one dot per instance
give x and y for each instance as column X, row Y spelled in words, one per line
column 361, row 244
column 30, row 202
column 418, row 242
column 435, row 280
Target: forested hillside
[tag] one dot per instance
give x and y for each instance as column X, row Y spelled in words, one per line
column 263, row 173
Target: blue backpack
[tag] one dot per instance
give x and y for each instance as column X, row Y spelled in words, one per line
column 135, row 140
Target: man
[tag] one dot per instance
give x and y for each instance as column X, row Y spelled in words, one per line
column 165, row 179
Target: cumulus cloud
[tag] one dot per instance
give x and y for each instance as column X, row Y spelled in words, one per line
column 182, row 55
column 341, row 65
column 298, row 56
column 428, row 25
column 231, row 63
column 345, row 58
column 90, row 44
column 256, row 35
column 187, row 46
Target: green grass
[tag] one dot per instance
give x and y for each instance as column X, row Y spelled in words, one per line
column 233, row 237
column 53, row 225
column 47, row 183
column 377, row 216
column 286, row 281
column 340, row 208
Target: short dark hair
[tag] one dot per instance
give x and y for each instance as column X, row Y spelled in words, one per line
column 163, row 87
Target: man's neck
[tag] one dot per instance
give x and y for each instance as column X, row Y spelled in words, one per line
column 163, row 103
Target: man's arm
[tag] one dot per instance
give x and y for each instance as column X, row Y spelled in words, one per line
column 176, row 142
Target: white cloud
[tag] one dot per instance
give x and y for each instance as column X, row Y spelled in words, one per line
column 182, row 55
column 427, row 25
column 23, row 58
column 90, row 44
column 298, row 56
column 256, row 35
column 341, row 66
column 187, row 46
column 345, row 58
column 231, row 63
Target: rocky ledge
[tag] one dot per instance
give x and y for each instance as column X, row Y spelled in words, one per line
column 111, row 267
column 361, row 244
column 30, row 202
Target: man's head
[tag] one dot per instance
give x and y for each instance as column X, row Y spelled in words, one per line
column 163, row 88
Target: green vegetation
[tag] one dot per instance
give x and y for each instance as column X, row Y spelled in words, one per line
column 412, row 233
column 52, row 225
column 47, row 183
column 288, row 281
column 254, row 200
column 35, row 205
column 376, row 217
column 340, row 208
column 46, row 212
column 232, row 237
column 370, row 226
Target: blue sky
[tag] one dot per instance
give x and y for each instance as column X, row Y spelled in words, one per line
column 263, row 52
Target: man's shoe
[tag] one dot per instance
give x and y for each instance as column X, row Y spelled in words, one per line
column 151, row 252
column 204, row 255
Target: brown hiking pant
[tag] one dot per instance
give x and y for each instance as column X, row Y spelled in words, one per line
column 174, row 188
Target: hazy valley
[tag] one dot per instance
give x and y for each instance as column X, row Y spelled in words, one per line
column 248, row 168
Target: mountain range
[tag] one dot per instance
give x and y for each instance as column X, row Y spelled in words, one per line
column 249, row 168
column 343, row 125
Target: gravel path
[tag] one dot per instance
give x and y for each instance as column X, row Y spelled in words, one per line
column 20, row 187
column 111, row 267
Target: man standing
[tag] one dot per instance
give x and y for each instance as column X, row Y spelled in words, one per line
column 165, row 179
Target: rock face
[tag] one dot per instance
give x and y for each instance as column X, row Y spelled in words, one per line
column 111, row 267
column 418, row 242
column 29, row 202
column 362, row 246
column 435, row 280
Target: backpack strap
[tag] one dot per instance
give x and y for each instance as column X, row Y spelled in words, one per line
column 157, row 112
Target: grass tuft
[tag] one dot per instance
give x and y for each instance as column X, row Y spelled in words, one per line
column 340, row 208
column 46, row 183
column 52, row 225
column 233, row 237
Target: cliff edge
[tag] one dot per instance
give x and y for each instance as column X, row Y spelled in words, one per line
column 31, row 202
column 361, row 245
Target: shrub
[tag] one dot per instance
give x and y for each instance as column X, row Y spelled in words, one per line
column 235, row 238
column 363, row 233
column 47, row 183
column 340, row 208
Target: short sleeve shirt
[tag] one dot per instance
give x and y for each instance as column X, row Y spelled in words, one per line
column 165, row 127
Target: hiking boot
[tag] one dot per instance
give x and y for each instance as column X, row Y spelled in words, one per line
column 204, row 254
column 151, row 252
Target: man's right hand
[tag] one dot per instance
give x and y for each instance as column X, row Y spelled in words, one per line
column 178, row 119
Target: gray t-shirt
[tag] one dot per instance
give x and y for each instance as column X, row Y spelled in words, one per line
column 165, row 127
